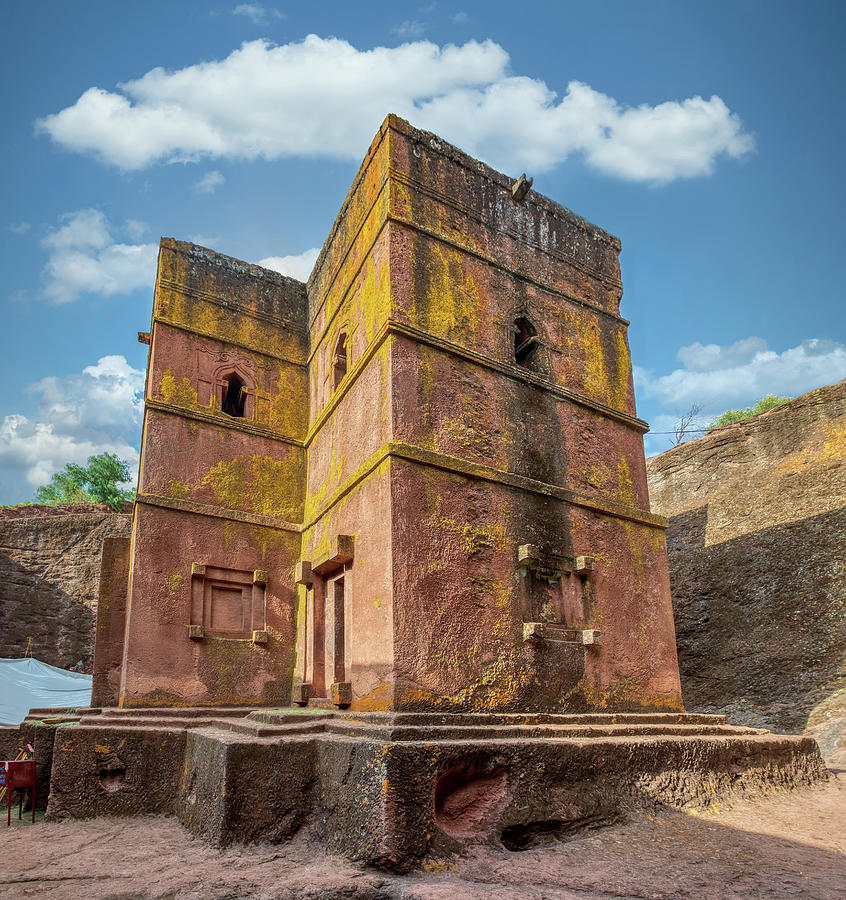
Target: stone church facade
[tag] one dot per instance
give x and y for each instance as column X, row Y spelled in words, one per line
column 415, row 483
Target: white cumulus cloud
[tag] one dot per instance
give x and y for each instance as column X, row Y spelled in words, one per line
column 735, row 377
column 410, row 28
column 135, row 229
column 256, row 13
column 740, row 374
column 298, row 266
column 210, row 182
column 323, row 97
column 79, row 415
column 83, row 257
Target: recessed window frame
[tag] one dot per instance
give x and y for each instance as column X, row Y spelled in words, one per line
column 526, row 342
column 234, row 406
column 340, row 360
column 222, row 380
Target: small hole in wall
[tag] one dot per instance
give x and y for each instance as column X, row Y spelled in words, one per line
column 234, row 397
column 339, row 361
column 466, row 798
column 525, row 341
column 111, row 773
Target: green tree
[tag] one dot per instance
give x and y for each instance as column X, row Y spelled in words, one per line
column 731, row 416
column 98, row 482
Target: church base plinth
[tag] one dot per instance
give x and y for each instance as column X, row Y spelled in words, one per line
column 395, row 790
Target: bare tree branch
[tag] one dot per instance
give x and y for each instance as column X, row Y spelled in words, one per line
column 686, row 422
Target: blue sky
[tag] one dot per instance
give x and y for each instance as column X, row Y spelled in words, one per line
column 709, row 137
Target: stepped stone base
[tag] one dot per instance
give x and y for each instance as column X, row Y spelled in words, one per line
column 393, row 790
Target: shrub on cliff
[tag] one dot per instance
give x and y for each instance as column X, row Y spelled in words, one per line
column 98, row 482
column 731, row 416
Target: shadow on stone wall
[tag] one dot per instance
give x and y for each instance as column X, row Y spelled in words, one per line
column 60, row 625
column 760, row 623
column 687, row 530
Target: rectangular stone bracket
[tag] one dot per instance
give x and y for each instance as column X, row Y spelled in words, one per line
column 339, row 554
column 550, row 565
column 260, row 576
column 260, row 637
column 198, row 568
column 583, row 564
column 301, row 693
column 529, row 555
column 533, row 631
column 196, row 632
column 341, row 693
column 555, row 633
column 302, row 572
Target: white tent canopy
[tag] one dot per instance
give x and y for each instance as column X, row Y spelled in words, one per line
column 27, row 683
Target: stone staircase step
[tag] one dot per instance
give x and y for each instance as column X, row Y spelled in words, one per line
column 174, row 712
column 531, row 732
column 556, row 718
column 284, row 716
column 157, row 721
column 257, row 729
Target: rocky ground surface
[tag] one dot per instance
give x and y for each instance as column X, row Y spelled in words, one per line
column 790, row 844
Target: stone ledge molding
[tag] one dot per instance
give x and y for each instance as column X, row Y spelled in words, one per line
column 222, row 421
column 392, row 327
column 217, row 512
column 230, row 341
column 289, row 324
column 433, row 459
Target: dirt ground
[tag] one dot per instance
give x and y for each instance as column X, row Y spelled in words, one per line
column 782, row 845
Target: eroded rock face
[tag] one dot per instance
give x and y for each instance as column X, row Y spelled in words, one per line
column 49, row 579
column 757, row 547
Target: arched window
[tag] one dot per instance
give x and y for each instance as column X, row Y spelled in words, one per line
column 525, row 341
column 234, row 396
column 339, row 360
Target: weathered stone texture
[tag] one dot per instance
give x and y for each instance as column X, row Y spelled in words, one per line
column 387, row 405
column 757, row 546
column 398, row 790
column 49, row 579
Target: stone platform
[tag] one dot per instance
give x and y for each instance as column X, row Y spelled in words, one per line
column 393, row 789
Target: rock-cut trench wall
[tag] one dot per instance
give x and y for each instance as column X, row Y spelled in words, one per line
column 49, row 580
column 757, row 547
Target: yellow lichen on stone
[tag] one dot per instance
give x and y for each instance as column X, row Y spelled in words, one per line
column 597, row 476
column 174, row 583
column 374, row 295
column 228, row 662
column 179, row 393
column 275, row 488
column 625, row 693
column 623, row 372
column 498, row 687
column 595, row 369
column 228, row 481
column 287, row 408
column 177, row 489
column 447, row 301
column 261, row 484
column 472, row 538
column 626, row 489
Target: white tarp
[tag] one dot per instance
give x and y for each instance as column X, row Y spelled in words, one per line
column 27, row 683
